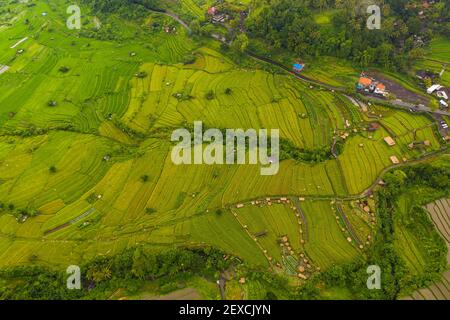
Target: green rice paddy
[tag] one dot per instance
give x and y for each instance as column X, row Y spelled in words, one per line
column 116, row 106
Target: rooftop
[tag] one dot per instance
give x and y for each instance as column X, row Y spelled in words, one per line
column 365, row 81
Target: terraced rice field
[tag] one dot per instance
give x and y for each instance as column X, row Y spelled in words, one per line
column 333, row 246
column 193, row 8
column 96, row 163
column 440, row 49
column 436, row 59
column 439, row 213
column 331, row 70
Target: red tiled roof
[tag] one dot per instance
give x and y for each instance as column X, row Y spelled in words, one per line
column 212, row 10
column 365, row 81
column 381, row 86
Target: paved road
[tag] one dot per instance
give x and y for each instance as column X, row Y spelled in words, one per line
column 295, row 74
column 175, row 17
column 442, row 131
column 407, row 106
column 397, row 103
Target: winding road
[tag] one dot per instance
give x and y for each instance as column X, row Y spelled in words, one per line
column 396, row 103
column 175, row 17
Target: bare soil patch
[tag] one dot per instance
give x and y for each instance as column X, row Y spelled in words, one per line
column 398, row 90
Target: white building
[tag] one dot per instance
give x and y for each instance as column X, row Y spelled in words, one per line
column 442, row 94
column 433, row 88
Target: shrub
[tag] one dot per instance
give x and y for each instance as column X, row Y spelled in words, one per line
column 64, row 69
column 209, row 95
column 189, row 59
column 141, row 74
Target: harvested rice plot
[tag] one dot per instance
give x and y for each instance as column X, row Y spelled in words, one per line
column 439, row 212
column 438, row 291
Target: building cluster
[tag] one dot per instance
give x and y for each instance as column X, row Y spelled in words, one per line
column 441, row 93
column 217, row 16
column 369, row 85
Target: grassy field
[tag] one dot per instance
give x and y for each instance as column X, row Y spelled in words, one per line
column 440, row 49
column 85, row 116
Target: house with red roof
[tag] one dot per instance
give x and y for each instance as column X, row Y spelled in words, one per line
column 212, row 11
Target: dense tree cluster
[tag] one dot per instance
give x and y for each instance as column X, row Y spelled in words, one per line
column 125, row 8
column 100, row 277
column 290, row 24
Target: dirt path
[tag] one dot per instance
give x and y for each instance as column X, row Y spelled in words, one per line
column 400, row 92
column 303, row 218
column 73, row 221
column 222, row 282
column 19, row 42
column 3, row 69
column 348, row 224
column 177, row 18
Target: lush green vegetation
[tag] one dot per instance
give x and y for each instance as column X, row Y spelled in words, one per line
column 102, row 277
column 342, row 31
column 85, row 170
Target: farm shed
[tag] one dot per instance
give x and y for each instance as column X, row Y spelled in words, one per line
column 298, row 67
column 442, row 94
column 433, row 88
column 389, row 141
column 394, row 160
